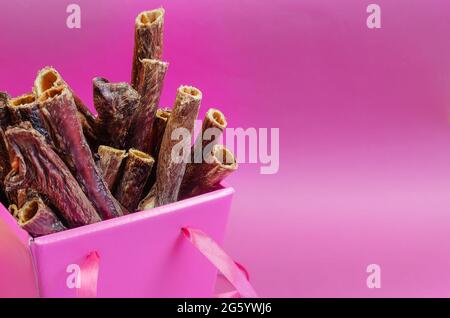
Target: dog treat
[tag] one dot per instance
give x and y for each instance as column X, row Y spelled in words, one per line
column 148, row 40
column 4, row 112
column 170, row 170
column 38, row 219
column 36, row 165
column 206, row 176
column 135, row 174
column 159, row 126
column 149, row 86
column 26, row 108
column 49, row 78
column 110, row 161
column 116, row 105
column 71, row 145
column 212, row 127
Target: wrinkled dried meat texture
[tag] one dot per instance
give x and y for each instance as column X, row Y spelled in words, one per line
column 158, row 128
column 212, row 126
column 49, row 78
column 36, row 165
column 38, row 219
column 5, row 120
column 148, row 40
column 135, row 173
column 110, row 162
column 69, row 140
column 170, row 171
column 149, row 86
column 26, row 108
column 116, row 104
column 207, row 176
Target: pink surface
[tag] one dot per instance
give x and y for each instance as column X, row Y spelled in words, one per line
column 363, row 117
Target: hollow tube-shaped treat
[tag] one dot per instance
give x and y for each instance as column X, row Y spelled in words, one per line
column 116, row 104
column 148, row 40
column 149, row 86
column 159, row 126
column 170, row 170
column 212, row 127
column 71, row 145
column 205, row 176
column 36, row 165
column 38, row 219
column 26, row 108
column 110, row 163
column 135, row 174
column 49, row 78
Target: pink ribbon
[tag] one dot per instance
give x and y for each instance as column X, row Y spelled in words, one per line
column 234, row 272
column 89, row 276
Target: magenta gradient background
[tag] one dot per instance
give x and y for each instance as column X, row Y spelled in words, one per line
column 363, row 117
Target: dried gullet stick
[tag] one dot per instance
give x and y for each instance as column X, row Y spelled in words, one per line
column 5, row 121
column 49, row 78
column 170, row 171
column 26, row 108
column 61, row 113
column 149, row 86
column 38, row 219
column 35, row 164
column 206, row 176
column 110, row 161
column 158, row 128
column 4, row 112
column 148, row 40
column 116, row 105
column 135, row 174
column 212, row 127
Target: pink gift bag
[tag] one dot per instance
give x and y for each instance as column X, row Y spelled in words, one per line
column 144, row 254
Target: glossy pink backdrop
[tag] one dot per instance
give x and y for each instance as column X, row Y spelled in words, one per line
column 363, row 116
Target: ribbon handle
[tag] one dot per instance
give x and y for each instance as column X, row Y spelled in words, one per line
column 234, row 272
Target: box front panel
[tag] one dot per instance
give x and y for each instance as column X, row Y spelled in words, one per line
column 141, row 255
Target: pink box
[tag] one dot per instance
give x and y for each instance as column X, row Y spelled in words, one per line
column 141, row 255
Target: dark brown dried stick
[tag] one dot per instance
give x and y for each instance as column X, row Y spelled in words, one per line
column 148, row 40
column 212, row 127
column 159, row 126
column 26, row 108
column 116, row 104
column 4, row 112
column 5, row 121
column 71, row 145
column 206, row 176
column 149, row 86
column 49, row 78
column 170, row 170
column 135, row 174
column 35, row 164
column 110, row 162
column 38, row 219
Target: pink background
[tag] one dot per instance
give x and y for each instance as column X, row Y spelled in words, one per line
column 363, row 116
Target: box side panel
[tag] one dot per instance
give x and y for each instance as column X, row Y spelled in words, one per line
column 17, row 277
column 141, row 255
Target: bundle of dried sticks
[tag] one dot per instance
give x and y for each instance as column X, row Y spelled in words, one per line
column 61, row 166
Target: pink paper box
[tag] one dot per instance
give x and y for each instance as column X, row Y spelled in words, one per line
column 141, row 254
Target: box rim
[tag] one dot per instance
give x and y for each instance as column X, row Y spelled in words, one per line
column 132, row 217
